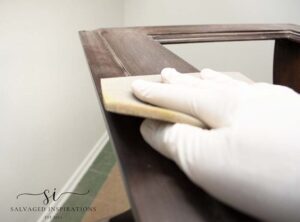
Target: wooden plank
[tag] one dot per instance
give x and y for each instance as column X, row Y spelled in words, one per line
column 147, row 173
column 141, row 164
column 218, row 37
column 218, row 28
column 286, row 65
column 211, row 32
column 157, row 189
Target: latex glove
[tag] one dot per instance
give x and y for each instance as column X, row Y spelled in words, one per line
column 250, row 159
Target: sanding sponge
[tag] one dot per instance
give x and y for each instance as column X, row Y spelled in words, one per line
column 118, row 98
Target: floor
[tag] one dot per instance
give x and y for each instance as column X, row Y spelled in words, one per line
column 106, row 195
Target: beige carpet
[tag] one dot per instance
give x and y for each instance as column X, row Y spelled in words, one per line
column 111, row 198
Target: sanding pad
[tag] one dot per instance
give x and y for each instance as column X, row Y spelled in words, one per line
column 118, row 98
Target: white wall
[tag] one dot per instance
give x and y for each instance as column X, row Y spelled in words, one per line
column 251, row 58
column 49, row 113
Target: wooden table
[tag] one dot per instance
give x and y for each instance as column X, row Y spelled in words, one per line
column 157, row 189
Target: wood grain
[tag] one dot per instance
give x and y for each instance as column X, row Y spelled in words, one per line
column 157, row 189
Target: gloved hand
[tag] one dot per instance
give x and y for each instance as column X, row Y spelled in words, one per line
column 250, row 158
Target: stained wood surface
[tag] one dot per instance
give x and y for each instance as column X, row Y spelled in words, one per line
column 157, row 189
column 287, row 63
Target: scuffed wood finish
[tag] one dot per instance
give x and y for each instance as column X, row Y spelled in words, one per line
column 157, row 189
column 140, row 54
column 101, row 63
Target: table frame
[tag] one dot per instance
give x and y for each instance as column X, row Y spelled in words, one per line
column 157, row 189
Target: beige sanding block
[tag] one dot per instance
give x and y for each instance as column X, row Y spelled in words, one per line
column 118, row 98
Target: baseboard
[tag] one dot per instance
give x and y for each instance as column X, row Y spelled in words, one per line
column 77, row 176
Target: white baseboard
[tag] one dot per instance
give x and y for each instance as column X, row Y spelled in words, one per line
column 76, row 176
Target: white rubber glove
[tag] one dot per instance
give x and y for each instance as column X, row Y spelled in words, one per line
column 250, row 159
